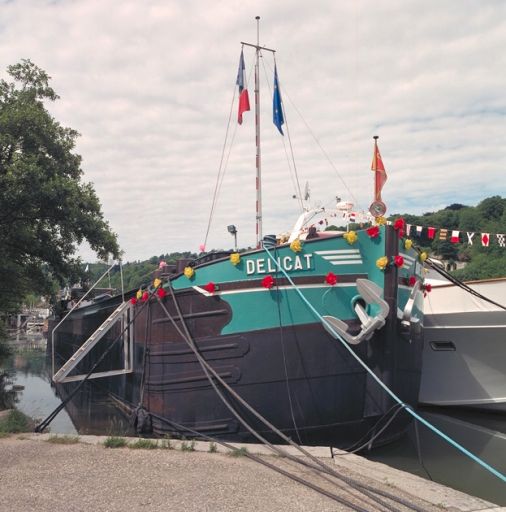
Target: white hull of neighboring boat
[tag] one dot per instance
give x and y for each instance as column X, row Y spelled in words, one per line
column 464, row 355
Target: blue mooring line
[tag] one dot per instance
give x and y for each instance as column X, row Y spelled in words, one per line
column 472, row 456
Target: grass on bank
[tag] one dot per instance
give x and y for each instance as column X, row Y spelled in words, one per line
column 115, row 442
column 54, row 439
column 187, row 447
column 15, row 422
column 164, row 444
column 143, row 444
column 239, row 452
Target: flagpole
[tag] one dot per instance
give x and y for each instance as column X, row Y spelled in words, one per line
column 378, row 207
column 376, row 181
column 257, row 138
column 258, row 164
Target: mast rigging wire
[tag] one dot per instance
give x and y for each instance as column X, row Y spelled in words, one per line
column 326, row 155
column 220, row 169
column 294, row 175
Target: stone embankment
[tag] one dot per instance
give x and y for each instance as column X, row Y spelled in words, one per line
column 43, row 476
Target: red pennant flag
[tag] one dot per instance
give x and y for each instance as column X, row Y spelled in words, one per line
column 378, row 167
column 455, row 237
column 485, row 239
column 431, row 233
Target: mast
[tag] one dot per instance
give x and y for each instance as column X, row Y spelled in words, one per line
column 258, row 158
column 375, row 167
column 257, row 139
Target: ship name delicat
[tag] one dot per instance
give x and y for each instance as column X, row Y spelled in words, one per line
column 288, row 263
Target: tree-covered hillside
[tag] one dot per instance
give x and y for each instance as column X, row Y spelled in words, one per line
column 135, row 274
column 489, row 216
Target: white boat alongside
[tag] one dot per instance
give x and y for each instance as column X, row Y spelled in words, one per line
column 464, row 355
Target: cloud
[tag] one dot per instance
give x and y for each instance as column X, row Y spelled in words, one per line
column 149, row 86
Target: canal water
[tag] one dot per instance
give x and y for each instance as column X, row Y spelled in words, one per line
column 26, row 380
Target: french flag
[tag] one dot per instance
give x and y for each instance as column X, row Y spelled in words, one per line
column 243, row 91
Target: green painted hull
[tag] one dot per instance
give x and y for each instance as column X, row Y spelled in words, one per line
column 256, row 307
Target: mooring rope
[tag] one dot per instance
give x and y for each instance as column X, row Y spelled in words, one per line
column 459, row 283
column 317, row 464
column 408, row 408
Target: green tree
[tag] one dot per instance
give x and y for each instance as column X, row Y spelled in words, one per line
column 489, row 216
column 46, row 210
column 492, row 208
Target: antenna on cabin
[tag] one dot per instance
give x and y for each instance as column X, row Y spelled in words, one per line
column 307, row 192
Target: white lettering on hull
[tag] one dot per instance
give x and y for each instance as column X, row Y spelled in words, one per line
column 250, row 266
column 288, row 263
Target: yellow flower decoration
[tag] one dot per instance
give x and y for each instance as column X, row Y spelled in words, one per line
column 296, row 245
column 423, row 256
column 139, row 293
column 157, row 282
column 380, row 221
column 408, row 244
column 382, row 263
column 235, row 258
column 351, row 237
column 189, row 272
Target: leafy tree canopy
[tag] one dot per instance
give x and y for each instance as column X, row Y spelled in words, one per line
column 46, row 210
column 489, row 216
column 136, row 273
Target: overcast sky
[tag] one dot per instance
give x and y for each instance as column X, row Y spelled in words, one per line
column 149, row 86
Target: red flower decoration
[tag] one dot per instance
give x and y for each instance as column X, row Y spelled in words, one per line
column 331, row 279
column 145, row 296
column 133, row 301
column 400, row 224
column 398, row 261
column 268, row 282
column 210, row 287
column 412, row 281
column 373, row 231
column 161, row 293
column 428, row 287
column 400, row 233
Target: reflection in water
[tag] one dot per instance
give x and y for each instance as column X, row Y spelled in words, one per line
column 29, row 383
column 429, row 456
column 93, row 411
column 7, row 393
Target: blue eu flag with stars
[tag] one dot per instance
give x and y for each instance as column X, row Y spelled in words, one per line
column 277, row 109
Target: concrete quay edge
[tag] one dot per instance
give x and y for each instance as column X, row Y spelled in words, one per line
column 378, row 473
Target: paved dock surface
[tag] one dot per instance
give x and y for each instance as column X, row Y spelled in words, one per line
column 36, row 475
